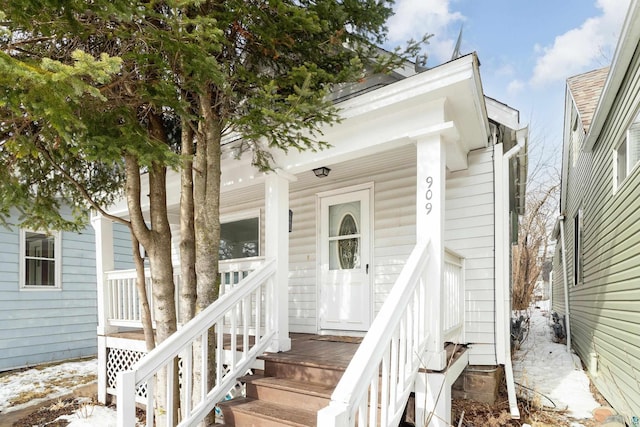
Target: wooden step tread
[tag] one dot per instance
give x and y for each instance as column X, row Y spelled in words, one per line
column 284, row 358
column 308, row 388
column 285, row 415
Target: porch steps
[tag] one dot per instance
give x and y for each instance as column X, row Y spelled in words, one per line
column 288, row 394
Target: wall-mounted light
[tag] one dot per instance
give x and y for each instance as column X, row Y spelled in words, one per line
column 290, row 220
column 322, row 172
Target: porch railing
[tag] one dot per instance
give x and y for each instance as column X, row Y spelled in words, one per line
column 123, row 306
column 453, row 305
column 383, row 369
column 256, row 288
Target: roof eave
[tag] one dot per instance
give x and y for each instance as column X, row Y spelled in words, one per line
column 625, row 49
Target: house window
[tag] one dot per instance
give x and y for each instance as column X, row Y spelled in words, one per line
column 627, row 154
column 39, row 260
column 578, row 262
column 240, row 239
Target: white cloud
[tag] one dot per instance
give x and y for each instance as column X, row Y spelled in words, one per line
column 424, row 16
column 515, row 86
column 583, row 48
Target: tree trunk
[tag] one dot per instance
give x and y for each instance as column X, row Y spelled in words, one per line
column 206, row 193
column 188, row 292
column 156, row 240
column 141, row 287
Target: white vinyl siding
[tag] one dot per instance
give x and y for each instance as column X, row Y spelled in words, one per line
column 469, row 230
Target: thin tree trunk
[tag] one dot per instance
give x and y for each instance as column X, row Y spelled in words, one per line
column 145, row 315
column 188, row 293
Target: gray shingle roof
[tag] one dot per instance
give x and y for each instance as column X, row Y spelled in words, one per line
column 585, row 90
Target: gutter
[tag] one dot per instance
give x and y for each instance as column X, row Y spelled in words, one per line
column 566, row 283
column 503, row 287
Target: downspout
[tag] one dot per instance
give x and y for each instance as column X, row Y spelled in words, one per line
column 521, row 138
column 566, row 284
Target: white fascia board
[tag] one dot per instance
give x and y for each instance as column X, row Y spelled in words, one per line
column 568, row 106
column 625, row 50
column 502, row 113
column 392, row 115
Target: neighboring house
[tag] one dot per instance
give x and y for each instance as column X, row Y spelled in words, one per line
column 48, row 295
column 597, row 262
column 400, row 231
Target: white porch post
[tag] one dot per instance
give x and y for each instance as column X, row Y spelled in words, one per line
column 103, row 229
column 277, row 246
column 430, row 198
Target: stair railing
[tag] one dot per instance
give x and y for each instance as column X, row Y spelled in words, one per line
column 255, row 290
column 383, row 370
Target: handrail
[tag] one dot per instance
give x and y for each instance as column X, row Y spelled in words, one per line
column 123, row 303
column 255, row 288
column 386, row 363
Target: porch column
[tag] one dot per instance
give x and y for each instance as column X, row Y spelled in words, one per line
column 277, row 246
column 103, row 229
column 430, row 199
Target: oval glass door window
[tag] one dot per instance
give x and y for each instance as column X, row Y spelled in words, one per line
column 344, row 239
column 348, row 248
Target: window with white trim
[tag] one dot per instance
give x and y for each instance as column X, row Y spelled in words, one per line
column 39, row 260
column 578, row 260
column 240, row 238
column 627, row 154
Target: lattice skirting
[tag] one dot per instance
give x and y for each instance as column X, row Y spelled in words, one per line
column 121, row 359
column 118, row 360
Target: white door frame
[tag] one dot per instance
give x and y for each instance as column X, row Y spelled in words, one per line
column 369, row 277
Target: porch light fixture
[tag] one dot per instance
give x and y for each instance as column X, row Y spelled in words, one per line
column 322, row 172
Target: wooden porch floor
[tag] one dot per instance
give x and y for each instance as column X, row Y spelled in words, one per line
column 327, row 351
column 318, row 350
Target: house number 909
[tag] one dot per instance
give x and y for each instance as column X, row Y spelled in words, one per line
column 428, row 195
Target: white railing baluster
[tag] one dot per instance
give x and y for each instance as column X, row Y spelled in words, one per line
column 234, row 305
column 393, row 350
column 170, row 375
column 187, row 381
column 124, row 305
column 151, row 389
column 390, row 354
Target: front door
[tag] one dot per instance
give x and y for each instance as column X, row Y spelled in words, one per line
column 345, row 292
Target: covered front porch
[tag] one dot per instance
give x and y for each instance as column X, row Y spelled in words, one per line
column 379, row 249
column 243, row 334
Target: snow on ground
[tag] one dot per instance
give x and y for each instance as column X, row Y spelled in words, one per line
column 91, row 416
column 20, row 389
column 540, row 364
column 555, row 374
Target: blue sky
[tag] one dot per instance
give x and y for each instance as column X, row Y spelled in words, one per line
column 527, row 49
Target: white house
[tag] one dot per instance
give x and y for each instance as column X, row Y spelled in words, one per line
column 406, row 243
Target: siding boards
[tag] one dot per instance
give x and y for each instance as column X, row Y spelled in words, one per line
column 38, row 326
column 469, row 230
column 122, row 250
column 604, row 309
